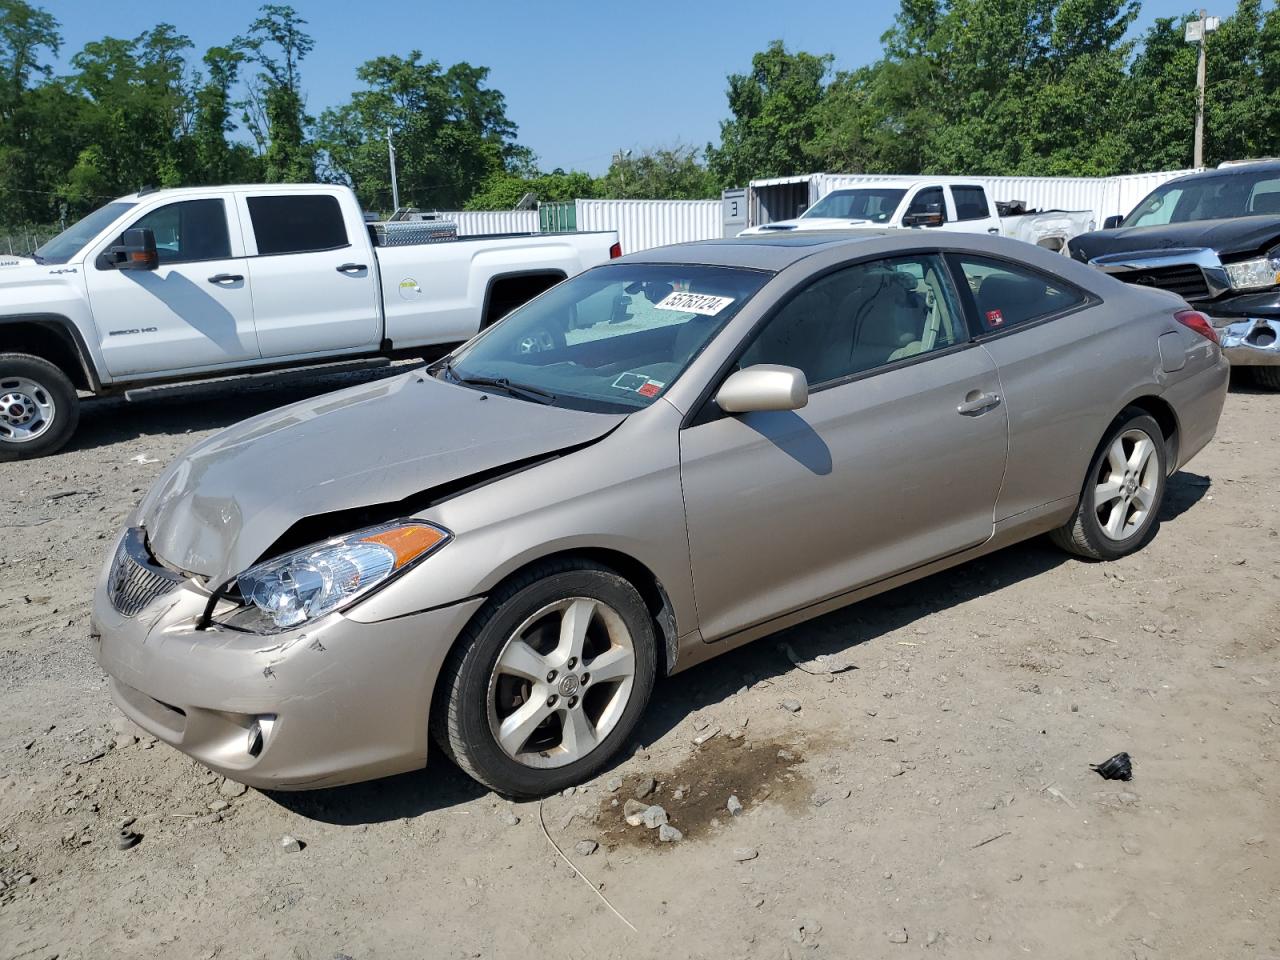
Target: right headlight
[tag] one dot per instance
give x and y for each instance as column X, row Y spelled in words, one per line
column 1257, row 274
column 299, row 587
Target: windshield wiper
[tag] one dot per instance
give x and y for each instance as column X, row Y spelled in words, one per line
column 536, row 394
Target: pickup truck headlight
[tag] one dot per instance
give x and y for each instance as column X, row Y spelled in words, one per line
column 1255, row 274
column 299, row 587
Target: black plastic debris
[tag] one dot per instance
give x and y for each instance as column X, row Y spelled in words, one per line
column 1118, row 767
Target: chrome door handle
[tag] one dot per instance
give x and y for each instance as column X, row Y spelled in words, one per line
column 351, row 268
column 994, row 230
column 977, row 403
column 226, row 278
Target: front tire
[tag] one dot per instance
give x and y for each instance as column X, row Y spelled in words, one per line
column 1120, row 504
column 39, row 409
column 547, row 683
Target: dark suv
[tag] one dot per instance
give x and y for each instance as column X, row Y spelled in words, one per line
column 1213, row 238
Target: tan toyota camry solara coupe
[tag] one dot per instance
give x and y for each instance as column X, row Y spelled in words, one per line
column 650, row 464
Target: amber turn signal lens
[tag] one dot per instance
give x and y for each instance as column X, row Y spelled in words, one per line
column 408, row 542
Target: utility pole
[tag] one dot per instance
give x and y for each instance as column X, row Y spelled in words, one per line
column 1198, row 32
column 395, row 189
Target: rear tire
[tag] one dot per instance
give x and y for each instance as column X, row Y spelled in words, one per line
column 1119, row 506
column 548, row 682
column 39, row 408
column 1267, row 377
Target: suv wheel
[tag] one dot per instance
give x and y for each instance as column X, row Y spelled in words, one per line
column 39, row 408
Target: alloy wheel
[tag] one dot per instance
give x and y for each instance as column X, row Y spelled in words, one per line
column 1126, row 485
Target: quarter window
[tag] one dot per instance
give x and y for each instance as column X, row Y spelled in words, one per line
column 297, row 224
column 971, row 203
column 1005, row 295
column 862, row 317
column 188, row 230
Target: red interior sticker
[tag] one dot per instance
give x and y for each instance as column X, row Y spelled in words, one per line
column 994, row 318
column 650, row 389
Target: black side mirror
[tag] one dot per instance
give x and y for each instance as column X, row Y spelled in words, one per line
column 1112, row 222
column 932, row 218
column 135, row 251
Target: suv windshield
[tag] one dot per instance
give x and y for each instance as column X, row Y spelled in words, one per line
column 876, row 204
column 612, row 339
column 1218, row 197
column 69, row 242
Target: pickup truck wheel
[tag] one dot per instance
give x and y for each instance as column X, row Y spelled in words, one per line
column 39, row 408
column 1268, row 377
column 1119, row 506
column 548, row 682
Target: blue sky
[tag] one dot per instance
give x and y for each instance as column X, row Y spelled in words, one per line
column 581, row 79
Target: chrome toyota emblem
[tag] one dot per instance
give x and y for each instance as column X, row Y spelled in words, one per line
column 569, row 685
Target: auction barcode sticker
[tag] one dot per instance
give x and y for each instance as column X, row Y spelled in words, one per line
column 703, row 303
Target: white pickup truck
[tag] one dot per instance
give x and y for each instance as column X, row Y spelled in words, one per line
column 193, row 283
column 961, row 206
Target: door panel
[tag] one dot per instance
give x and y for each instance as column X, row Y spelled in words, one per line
column 972, row 211
column 872, row 477
column 303, row 303
column 177, row 317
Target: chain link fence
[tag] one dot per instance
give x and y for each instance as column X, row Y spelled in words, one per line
column 22, row 240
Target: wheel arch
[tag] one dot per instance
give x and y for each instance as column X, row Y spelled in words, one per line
column 51, row 337
column 635, row 572
column 537, row 281
column 1163, row 413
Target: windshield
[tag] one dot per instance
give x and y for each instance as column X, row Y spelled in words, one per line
column 876, row 204
column 71, row 240
column 1234, row 194
column 612, row 339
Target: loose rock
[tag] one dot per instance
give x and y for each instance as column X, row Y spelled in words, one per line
column 217, row 806
column 743, row 854
column 734, row 806
column 653, row 817
column 229, row 788
column 791, row 706
column 669, row 834
column 613, row 784
column 586, row 848
column 645, row 787
column 290, row 844
column 633, row 811
column 898, row 936
column 509, row 817
column 127, row 839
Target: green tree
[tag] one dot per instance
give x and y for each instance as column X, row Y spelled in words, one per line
column 450, row 130
column 216, row 160
column 503, row 190
column 274, row 108
column 28, row 35
column 665, row 173
column 773, row 111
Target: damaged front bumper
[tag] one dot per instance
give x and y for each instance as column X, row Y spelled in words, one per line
column 334, row 702
column 1253, row 341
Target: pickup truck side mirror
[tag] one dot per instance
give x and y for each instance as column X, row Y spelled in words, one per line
column 135, row 251
column 931, row 218
column 1112, row 222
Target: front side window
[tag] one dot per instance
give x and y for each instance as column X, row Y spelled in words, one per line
column 612, row 339
column 1006, row 295
column 302, row 223
column 862, row 317
column 187, row 231
column 929, row 200
column 971, row 203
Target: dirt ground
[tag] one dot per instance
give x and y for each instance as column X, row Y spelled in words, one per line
column 937, row 798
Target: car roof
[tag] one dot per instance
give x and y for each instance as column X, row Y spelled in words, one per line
column 760, row 252
column 1235, row 170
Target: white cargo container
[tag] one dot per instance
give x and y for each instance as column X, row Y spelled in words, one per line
column 474, row 223
column 642, row 224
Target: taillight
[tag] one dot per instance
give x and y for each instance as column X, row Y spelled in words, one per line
column 615, row 251
column 1198, row 322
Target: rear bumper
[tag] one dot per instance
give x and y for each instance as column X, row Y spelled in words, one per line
column 1251, row 342
column 336, row 702
column 1197, row 401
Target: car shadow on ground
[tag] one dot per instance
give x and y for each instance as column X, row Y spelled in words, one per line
column 709, row 684
column 197, row 407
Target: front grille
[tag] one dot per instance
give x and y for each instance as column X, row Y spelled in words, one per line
column 1184, row 279
column 135, row 579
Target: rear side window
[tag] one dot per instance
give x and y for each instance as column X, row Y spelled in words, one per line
column 1006, row 295
column 297, row 224
column 971, row 203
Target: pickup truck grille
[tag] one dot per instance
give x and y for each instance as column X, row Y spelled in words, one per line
column 1184, row 279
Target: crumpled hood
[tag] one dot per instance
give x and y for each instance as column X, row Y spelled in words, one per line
column 229, row 497
column 1230, row 238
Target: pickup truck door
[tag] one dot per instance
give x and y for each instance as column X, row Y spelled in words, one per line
column 315, row 287
column 193, row 311
column 974, row 212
